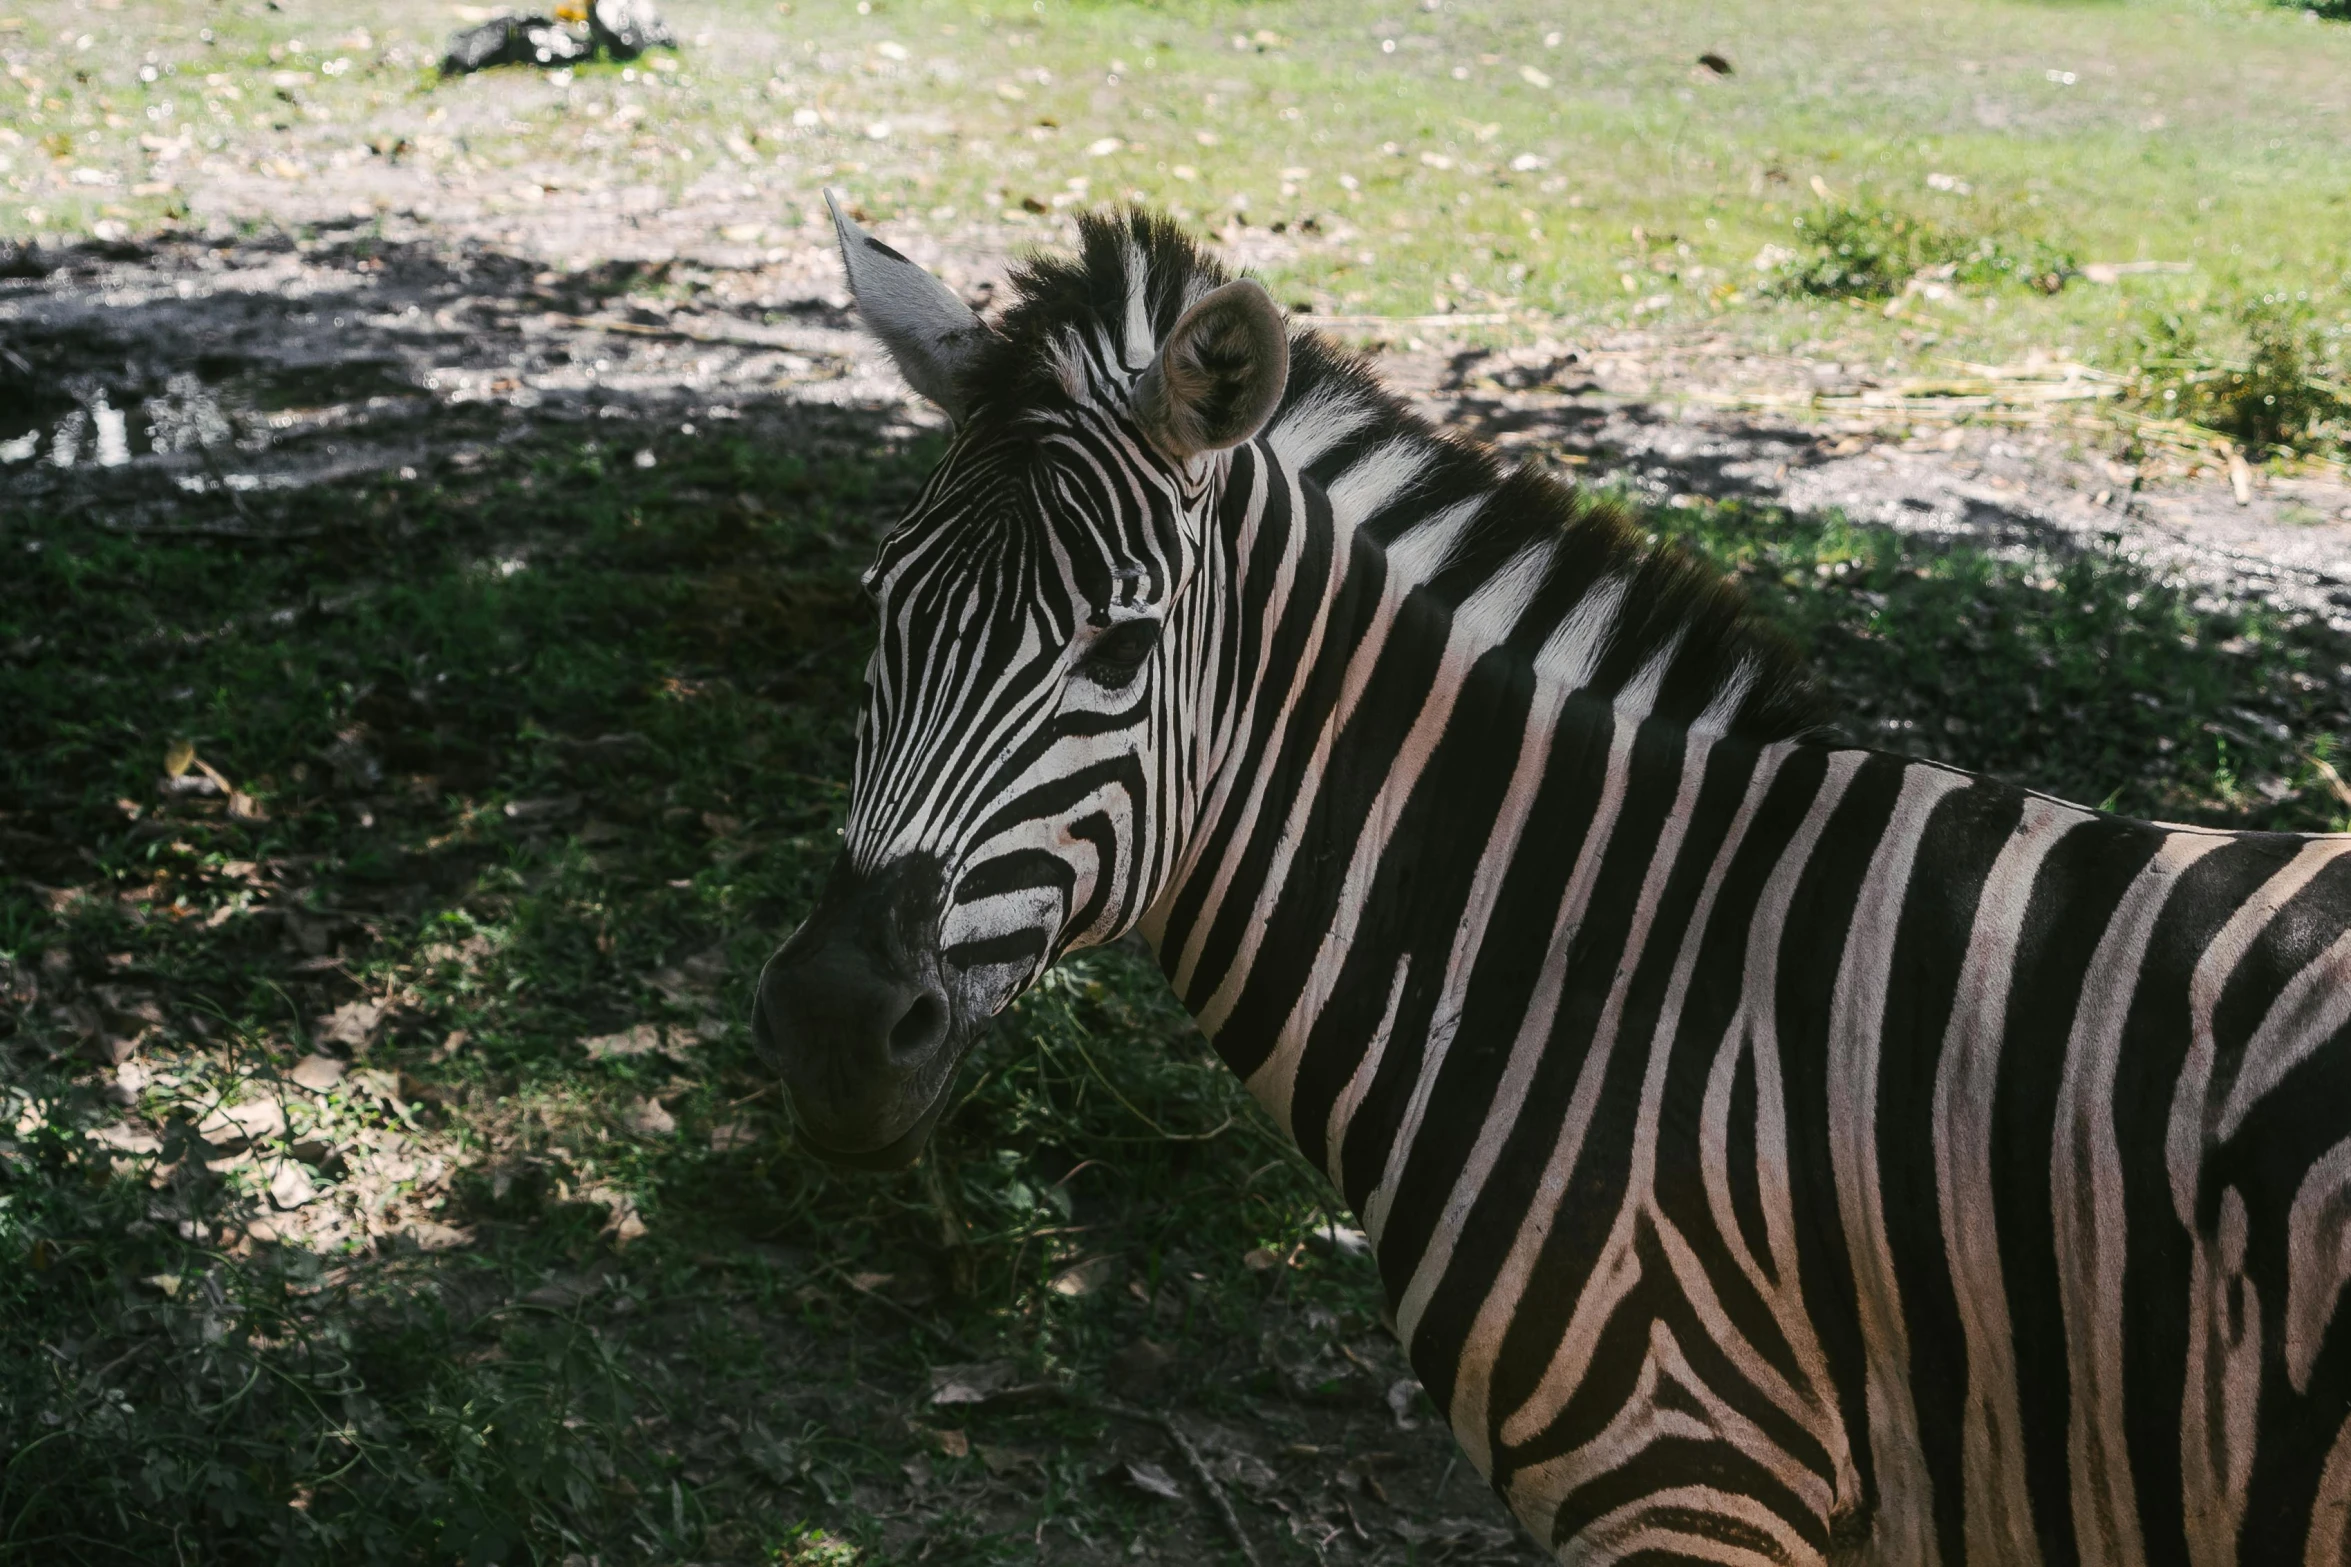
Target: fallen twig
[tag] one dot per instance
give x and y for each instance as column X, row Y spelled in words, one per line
column 1199, row 1467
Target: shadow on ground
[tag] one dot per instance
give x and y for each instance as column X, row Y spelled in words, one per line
column 425, row 711
column 406, row 775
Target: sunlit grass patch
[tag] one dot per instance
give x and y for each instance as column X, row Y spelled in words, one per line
column 1844, row 251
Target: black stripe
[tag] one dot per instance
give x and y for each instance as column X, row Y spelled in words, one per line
column 2081, row 884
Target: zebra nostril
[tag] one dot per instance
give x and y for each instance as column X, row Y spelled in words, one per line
column 920, row 1029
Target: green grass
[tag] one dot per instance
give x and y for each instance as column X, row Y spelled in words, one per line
column 358, row 1394
column 1584, row 167
column 546, row 746
column 562, row 1331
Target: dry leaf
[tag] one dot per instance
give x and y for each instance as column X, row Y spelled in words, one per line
column 975, row 1383
column 353, row 1024
column 178, row 757
column 1138, row 1367
column 638, row 1039
column 1152, row 1480
column 431, row 1235
column 316, row 1073
column 1006, row 1460
column 1084, row 1278
column 1259, row 1258
column 647, row 1118
column 563, row 1294
column 951, row 1442
column 123, row 1138
column 241, row 1126
column 1402, row 1395
column 291, row 1186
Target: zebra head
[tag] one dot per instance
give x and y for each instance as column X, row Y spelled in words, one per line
column 1025, row 771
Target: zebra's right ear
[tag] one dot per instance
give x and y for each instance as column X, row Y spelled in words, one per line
column 933, row 337
column 1219, row 376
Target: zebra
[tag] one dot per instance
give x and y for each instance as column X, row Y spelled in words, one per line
column 1774, row 1151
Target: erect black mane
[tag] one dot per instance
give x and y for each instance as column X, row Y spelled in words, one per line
column 1669, row 593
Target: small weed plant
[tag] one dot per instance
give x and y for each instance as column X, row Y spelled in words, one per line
column 1868, row 251
column 2278, row 379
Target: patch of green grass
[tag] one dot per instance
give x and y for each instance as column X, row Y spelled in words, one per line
column 1568, row 162
column 554, row 746
column 2280, row 379
column 1871, row 252
column 539, row 750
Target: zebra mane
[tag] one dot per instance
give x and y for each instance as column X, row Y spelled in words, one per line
column 1566, row 573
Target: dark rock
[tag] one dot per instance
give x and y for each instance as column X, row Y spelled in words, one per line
column 627, row 28
column 514, row 40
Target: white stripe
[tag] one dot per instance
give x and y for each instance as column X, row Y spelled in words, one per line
column 1139, row 347
column 2318, row 1258
column 1619, row 1262
column 1905, row 1530
column 1489, row 615
column 2309, row 1011
column 1474, row 1377
column 1350, row 1098
column 1373, row 480
column 1998, row 1507
column 1526, row 1051
column 1640, row 693
column 1571, row 655
column 2188, row 1134
column 1723, row 709
column 1318, row 422
column 1423, row 549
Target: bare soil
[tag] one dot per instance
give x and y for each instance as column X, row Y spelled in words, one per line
column 386, row 340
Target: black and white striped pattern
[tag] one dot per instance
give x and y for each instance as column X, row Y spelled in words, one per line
column 1775, row 1152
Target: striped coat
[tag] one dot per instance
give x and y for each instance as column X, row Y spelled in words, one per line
column 1774, row 1151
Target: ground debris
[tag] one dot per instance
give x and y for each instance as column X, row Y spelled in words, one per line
column 622, row 29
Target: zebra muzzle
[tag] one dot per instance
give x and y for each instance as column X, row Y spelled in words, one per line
column 852, row 1015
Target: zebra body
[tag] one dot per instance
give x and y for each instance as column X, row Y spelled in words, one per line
column 1774, row 1152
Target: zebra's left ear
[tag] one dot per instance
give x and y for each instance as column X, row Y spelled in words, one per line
column 932, row 336
column 1219, row 376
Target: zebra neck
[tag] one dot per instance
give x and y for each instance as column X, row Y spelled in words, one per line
column 1377, row 764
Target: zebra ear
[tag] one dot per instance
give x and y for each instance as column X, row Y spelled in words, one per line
column 1219, row 376
column 933, row 337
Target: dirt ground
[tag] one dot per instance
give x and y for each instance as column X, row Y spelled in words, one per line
column 539, row 303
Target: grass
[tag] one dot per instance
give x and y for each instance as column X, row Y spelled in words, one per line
column 445, row 1353
column 1589, row 172
column 2278, row 382
column 445, row 776
column 543, row 748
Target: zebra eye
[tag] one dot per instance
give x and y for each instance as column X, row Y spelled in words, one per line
column 1119, row 652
